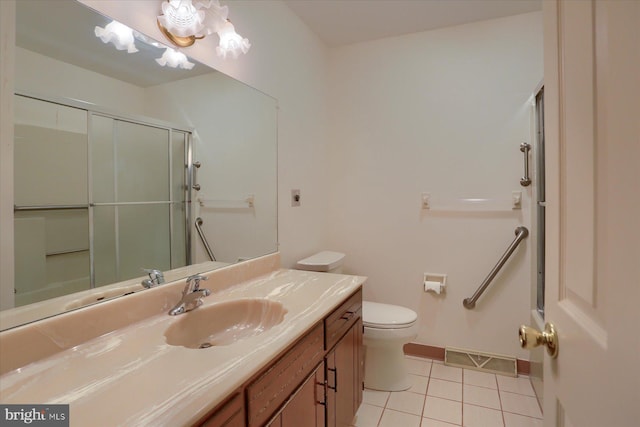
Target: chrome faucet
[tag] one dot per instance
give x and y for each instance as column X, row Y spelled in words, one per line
column 155, row 278
column 191, row 296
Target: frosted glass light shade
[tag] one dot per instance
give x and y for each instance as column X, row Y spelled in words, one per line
column 117, row 34
column 184, row 19
column 231, row 42
column 174, row 59
column 217, row 16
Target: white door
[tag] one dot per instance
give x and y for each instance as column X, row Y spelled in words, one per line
column 592, row 123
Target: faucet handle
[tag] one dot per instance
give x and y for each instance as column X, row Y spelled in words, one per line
column 195, row 279
column 155, row 275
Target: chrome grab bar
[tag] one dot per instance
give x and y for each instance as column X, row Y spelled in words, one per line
column 521, row 234
column 195, row 185
column 199, row 223
column 525, row 180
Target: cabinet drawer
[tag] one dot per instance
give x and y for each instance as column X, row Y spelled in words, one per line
column 272, row 388
column 342, row 318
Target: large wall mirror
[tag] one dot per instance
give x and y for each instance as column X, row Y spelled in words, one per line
column 122, row 164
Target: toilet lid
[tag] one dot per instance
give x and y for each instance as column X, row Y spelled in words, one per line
column 322, row 261
column 378, row 315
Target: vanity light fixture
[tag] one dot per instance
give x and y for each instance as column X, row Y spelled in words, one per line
column 123, row 38
column 231, row 42
column 117, row 34
column 185, row 21
column 174, row 59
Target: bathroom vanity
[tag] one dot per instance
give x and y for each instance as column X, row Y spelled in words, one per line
column 306, row 366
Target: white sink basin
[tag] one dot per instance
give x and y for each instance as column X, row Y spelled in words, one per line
column 224, row 323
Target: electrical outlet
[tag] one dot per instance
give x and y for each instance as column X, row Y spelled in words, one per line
column 295, row 198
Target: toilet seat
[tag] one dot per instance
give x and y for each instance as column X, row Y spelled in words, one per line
column 386, row 316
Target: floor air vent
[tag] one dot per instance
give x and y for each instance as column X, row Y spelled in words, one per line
column 485, row 362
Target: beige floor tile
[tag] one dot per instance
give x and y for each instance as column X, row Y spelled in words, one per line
column 406, row 401
column 520, row 404
column 429, row 422
column 418, row 366
column 443, row 410
column 520, row 385
column 476, row 416
column 449, row 373
column 513, row 420
column 396, row 419
column 445, row 389
column 480, row 396
column 375, row 397
column 367, row 416
column 480, row 379
column 419, row 384
column 454, row 397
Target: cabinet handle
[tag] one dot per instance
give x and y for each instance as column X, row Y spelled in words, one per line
column 335, row 379
column 348, row 315
column 324, row 393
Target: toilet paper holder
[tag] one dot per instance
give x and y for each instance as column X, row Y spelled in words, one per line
column 434, row 282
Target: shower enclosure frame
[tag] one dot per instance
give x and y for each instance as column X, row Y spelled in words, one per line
column 540, row 200
column 171, row 128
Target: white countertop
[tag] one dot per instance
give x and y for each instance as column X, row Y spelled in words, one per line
column 132, row 377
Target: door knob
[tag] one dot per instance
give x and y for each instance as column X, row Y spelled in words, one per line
column 530, row 338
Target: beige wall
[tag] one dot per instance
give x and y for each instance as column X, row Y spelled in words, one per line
column 442, row 112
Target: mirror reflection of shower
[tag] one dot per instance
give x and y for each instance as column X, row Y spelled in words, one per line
column 97, row 198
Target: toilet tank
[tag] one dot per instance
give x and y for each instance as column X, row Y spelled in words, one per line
column 325, row 261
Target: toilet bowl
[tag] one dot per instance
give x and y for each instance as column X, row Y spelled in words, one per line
column 387, row 328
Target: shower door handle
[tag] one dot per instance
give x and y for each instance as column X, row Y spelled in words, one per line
column 195, row 184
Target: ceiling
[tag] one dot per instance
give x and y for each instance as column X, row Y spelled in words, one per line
column 342, row 22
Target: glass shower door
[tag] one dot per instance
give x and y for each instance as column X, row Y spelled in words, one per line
column 97, row 199
column 137, row 198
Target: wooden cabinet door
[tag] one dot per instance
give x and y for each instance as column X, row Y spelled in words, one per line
column 344, row 378
column 306, row 407
column 276, row 422
column 229, row 414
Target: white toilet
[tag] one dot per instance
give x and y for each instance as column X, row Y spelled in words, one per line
column 387, row 328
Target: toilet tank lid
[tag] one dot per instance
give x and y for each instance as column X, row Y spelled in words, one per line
column 386, row 315
column 322, row 261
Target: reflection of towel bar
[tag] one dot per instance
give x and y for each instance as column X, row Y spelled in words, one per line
column 68, row 251
column 17, row 208
column 227, row 204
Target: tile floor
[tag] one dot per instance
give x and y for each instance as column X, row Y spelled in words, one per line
column 444, row 396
